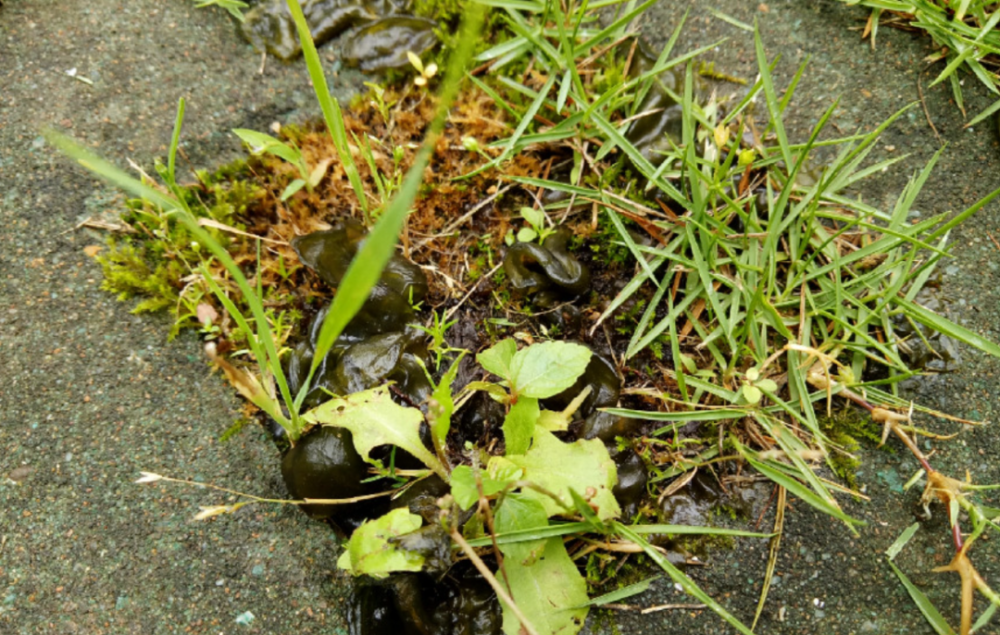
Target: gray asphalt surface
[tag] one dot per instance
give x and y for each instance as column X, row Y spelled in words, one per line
column 90, row 395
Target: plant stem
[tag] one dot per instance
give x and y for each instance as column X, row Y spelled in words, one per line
column 486, row 573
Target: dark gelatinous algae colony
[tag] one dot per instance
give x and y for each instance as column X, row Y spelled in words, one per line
column 389, row 31
column 381, row 345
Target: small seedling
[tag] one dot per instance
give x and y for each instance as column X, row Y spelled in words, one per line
column 379, row 101
column 261, row 143
column 754, row 386
column 537, row 227
column 425, row 74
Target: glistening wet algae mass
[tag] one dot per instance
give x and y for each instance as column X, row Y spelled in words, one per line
column 52, row 301
column 387, row 31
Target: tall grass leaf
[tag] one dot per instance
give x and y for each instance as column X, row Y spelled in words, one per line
column 686, row 416
column 947, row 327
column 679, row 578
column 175, row 140
column 901, row 542
column 929, row 611
column 169, row 204
column 331, row 109
column 366, row 267
column 774, row 111
column 994, row 107
column 627, row 239
column 623, row 593
column 960, row 218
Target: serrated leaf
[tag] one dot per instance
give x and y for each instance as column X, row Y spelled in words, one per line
column 584, row 465
column 496, row 391
column 546, row 369
column 550, row 592
column 374, row 419
column 519, row 425
column 498, row 357
column 370, row 551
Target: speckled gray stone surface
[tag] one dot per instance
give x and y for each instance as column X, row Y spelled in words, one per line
column 90, row 395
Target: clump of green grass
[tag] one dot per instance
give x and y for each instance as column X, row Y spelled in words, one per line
column 772, row 297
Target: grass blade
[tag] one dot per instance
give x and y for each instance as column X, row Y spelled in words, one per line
column 366, row 267
column 331, row 109
column 929, row 611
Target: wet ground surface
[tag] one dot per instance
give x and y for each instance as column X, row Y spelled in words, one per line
column 91, row 395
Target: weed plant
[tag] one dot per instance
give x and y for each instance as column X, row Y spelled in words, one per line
column 774, row 296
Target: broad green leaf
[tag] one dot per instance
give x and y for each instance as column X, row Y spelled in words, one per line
column 519, row 512
column 374, row 419
column 519, row 425
column 463, row 485
column 546, row 369
column 526, row 235
column 583, row 465
column 550, row 592
column 370, row 551
column 497, row 358
column 559, row 421
column 752, row 394
column 553, row 421
column 534, row 217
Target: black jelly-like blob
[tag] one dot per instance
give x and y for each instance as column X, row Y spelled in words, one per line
column 269, row 26
column 384, row 44
column 606, row 427
column 654, row 133
column 378, row 345
column 692, row 504
column 330, row 252
column 531, row 267
column 481, row 414
column 461, row 603
column 602, row 378
column 421, row 498
column 632, row 472
column 324, row 464
column 632, row 479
